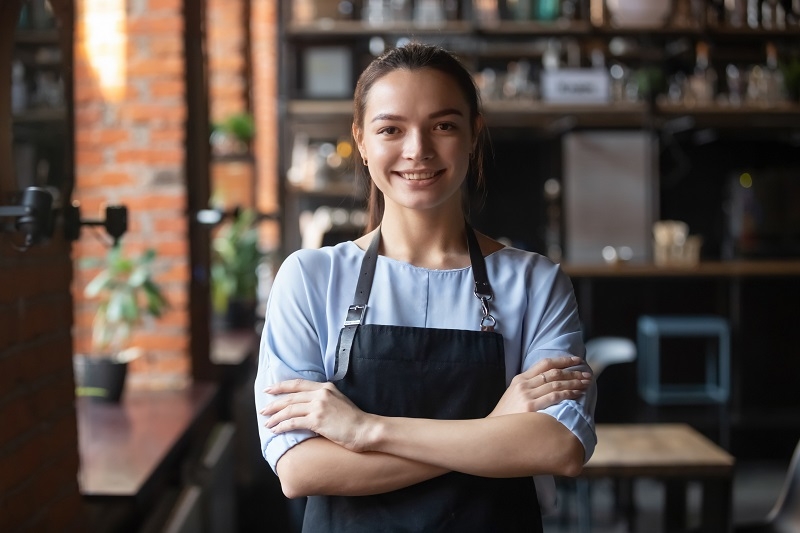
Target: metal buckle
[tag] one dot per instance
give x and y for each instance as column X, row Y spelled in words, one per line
column 355, row 315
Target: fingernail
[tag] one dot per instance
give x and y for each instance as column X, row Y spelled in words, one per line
column 586, row 381
column 268, row 389
column 576, row 359
column 586, row 374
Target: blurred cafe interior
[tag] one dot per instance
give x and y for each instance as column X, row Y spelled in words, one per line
column 160, row 158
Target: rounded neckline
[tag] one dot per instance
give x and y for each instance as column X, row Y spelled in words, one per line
column 424, row 269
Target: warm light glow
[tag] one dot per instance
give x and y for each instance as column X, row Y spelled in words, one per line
column 746, row 180
column 344, row 149
column 106, row 43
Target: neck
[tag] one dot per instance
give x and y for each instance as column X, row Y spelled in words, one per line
column 429, row 240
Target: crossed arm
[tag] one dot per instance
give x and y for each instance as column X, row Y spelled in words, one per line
column 358, row 453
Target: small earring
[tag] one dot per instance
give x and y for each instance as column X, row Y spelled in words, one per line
column 365, row 163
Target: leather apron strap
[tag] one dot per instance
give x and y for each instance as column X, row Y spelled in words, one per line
column 357, row 311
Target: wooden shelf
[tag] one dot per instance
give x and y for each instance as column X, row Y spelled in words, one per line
column 358, row 28
column 50, row 114
column 730, row 269
column 37, row 37
column 534, row 113
column 564, row 28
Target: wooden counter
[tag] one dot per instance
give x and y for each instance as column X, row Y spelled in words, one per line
column 123, row 446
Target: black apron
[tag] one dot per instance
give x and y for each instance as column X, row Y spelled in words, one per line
column 425, row 373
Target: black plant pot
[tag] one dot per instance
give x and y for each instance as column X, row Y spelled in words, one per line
column 99, row 378
column 241, row 314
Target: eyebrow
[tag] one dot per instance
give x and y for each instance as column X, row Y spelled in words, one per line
column 435, row 114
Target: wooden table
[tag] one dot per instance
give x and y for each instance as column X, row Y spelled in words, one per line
column 132, row 450
column 675, row 454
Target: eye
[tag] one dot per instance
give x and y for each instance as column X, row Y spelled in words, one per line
column 388, row 130
column 445, row 126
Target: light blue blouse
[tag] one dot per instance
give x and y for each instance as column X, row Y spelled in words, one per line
column 533, row 303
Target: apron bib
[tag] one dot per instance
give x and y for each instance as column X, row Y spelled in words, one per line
column 441, row 374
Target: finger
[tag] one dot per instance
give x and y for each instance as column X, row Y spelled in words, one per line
column 288, row 413
column 293, row 385
column 556, row 397
column 285, row 401
column 550, row 363
column 569, row 384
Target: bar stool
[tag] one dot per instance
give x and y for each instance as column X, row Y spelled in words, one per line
column 716, row 387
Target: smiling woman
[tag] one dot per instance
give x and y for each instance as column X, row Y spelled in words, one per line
column 438, row 370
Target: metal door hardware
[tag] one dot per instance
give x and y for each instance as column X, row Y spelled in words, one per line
column 33, row 217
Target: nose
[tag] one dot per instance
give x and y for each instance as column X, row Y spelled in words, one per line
column 417, row 146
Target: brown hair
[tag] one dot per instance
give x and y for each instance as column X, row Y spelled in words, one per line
column 414, row 56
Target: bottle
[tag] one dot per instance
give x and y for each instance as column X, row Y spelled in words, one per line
column 19, row 93
column 703, row 81
column 775, row 87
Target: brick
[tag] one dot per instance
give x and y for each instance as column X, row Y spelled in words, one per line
column 66, row 513
column 156, row 67
column 9, row 320
column 41, row 492
column 153, row 115
column 27, row 413
column 228, row 62
column 165, row 5
column 165, row 46
column 167, row 136
column 158, row 202
column 161, row 341
column 173, row 365
column 172, row 248
column 174, row 319
column 150, row 156
column 156, row 24
column 27, row 363
column 89, row 158
column 100, row 179
column 86, row 138
column 174, row 225
column 168, row 88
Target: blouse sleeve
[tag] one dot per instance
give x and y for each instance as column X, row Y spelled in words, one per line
column 290, row 343
column 558, row 332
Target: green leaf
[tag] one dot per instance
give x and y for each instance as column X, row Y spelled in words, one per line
column 99, row 282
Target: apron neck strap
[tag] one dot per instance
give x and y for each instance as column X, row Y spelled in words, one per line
column 483, row 290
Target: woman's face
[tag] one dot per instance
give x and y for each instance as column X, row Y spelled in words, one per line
column 417, row 139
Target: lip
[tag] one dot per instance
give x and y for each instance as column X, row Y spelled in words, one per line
column 422, row 174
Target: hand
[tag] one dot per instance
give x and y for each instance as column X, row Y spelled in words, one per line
column 544, row 384
column 318, row 407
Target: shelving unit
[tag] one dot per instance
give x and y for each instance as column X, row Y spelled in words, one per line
column 481, row 44
column 39, row 129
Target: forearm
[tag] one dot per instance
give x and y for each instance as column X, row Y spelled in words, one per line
column 504, row 446
column 318, row 466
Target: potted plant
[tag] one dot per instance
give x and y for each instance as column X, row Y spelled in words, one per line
column 233, row 134
column 234, row 280
column 126, row 293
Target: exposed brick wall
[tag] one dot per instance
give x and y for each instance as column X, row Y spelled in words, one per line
column 264, row 36
column 130, row 150
column 232, row 181
column 37, row 391
column 38, row 433
column 227, row 57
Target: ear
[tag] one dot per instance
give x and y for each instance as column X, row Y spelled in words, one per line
column 358, row 137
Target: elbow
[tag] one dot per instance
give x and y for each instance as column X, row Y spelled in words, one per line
column 571, row 468
column 570, row 463
column 291, row 489
column 293, row 483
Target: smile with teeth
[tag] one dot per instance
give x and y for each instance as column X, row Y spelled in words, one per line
column 419, row 176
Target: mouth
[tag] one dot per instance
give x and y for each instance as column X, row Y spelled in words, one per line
column 420, row 175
